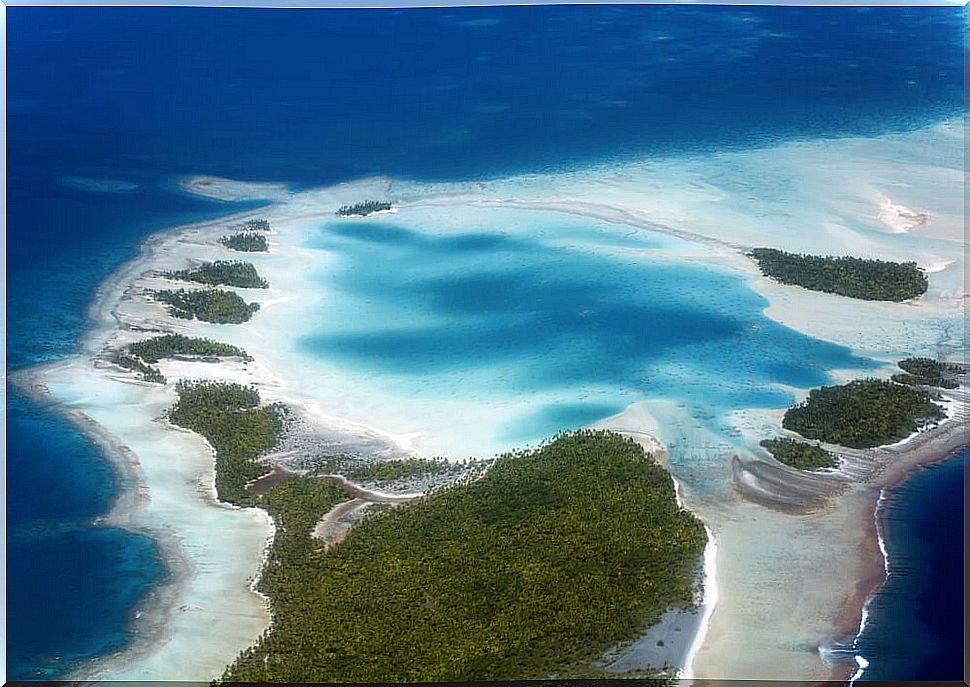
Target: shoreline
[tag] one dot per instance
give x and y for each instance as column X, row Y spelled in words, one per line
column 148, row 619
column 931, row 447
column 149, row 626
column 709, row 605
column 121, row 287
column 666, row 641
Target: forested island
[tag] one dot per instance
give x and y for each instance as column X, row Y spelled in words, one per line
column 873, row 280
column 928, row 372
column 255, row 224
column 170, row 345
column 209, row 305
column 798, row 454
column 862, row 414
column 577, row 545
column 222, row 273
column 138, row 355
column 231, row 418
column 364, row 208
column 245, row 242
column 146, row 372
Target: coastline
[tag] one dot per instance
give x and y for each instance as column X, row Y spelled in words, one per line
column 150, row 618
column 680, row 632
column 918, row 451
column 118, row 300
column 150, row 627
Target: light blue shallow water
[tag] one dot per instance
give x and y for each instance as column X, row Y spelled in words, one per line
column 519, row 315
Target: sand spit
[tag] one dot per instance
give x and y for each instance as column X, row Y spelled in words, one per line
column 798, row 491
column 788, row 490
column 333, row 526
column 165, row 494
column 219, row 188
column 151, row 617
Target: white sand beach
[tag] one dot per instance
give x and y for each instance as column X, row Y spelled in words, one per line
column 786, row 582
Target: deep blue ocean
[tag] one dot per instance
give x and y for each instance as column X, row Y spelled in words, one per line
column 97, row 96
column 915, row 625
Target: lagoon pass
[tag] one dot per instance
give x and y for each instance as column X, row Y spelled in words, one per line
column 409, row 331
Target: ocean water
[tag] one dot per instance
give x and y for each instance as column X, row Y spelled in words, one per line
column 107, row 106
column 71, row 588
column 915, row 625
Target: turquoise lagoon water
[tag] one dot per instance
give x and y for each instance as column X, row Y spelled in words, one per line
column 537, row 312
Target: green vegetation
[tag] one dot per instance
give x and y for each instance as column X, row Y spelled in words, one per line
column 871, row 280
column 394, row 470
column 229, row 416
column 364, row 208
column 928, row 372
column 799, row 455
column 576, row 546
column 245, row 242
column 223, row 272
column 862, row 414
column 530, row 571
column 211, row 305
column 147, row 372
column 167, row 346
column 256, row 224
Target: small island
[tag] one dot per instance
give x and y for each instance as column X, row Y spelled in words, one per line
column 146, row 372
column 255, row 224
column 209, row 305
column 799, row 455
column 862, row 414
column 140, row 354
column 245, row 242
column 222, row 273
column 871, row 280
column 364, row 208
column 171, row 345
column 928, row 372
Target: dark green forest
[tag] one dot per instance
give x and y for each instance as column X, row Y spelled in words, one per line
column 364, row 208
column 245, row 242
column 223, row 273
column 170, row 345
column 873, row 280
column 534, row 569
column 798, row 454
column 231, row 418
column 928, row 372
column 862, row 414
column 393, row 470
column 211, row 305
